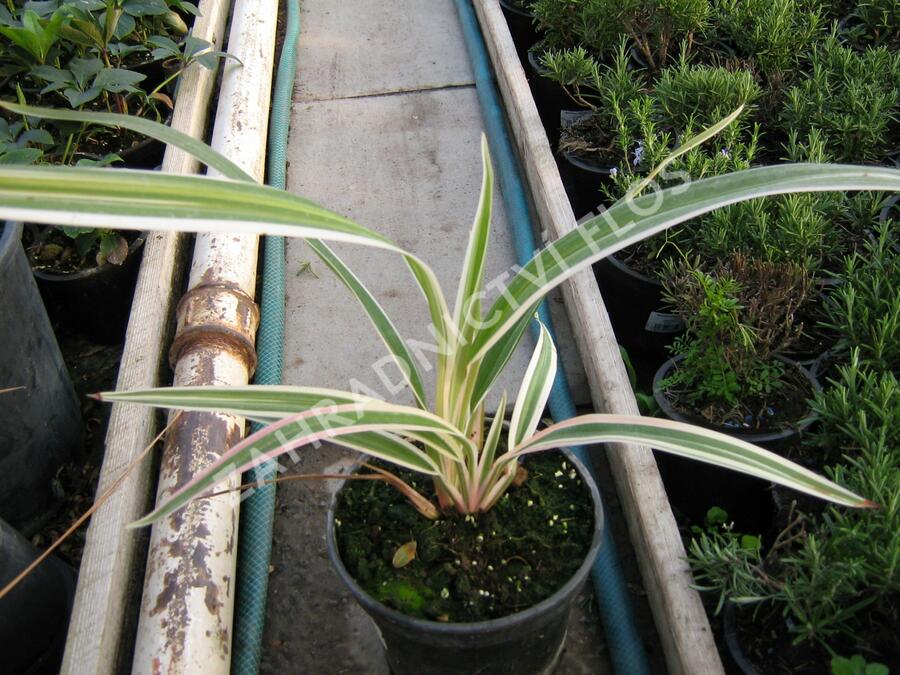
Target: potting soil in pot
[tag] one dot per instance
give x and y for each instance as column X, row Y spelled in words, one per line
column 468, row 568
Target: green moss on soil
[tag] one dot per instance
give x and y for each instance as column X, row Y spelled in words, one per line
column 468, row 568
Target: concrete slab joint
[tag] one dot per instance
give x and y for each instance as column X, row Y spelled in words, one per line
column 220, row 316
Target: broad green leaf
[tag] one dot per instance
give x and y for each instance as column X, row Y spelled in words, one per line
column 118, row 80
column 145, row 7
column 535, row 390
column 692, row 442
column 626, row 223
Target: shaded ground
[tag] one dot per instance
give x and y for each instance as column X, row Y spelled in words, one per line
column 93, row 368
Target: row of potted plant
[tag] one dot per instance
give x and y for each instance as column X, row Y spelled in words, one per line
column 122, row 56
column 742, row 298
column 444, row 584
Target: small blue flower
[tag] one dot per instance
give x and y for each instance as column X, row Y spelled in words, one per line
column 638, row 153
column 726, row 153
column 614, row 171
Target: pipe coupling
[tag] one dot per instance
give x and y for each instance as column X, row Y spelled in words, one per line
column 218, row 316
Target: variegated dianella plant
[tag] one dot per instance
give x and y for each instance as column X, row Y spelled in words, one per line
column 472, row 460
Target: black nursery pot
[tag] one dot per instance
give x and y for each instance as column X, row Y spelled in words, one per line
column 41, row 417
column 521, row 27
column 736, row 655
column 583, row 178
column 35, row 614
column 527, row 642
column 94, row 303
column 637, row 311
column 549, row 97
column 693, row 487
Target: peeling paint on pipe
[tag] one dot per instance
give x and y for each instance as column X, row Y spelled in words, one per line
column 188, row 601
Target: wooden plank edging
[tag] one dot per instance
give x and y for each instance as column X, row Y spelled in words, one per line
column 104, row 616
column 678, row 612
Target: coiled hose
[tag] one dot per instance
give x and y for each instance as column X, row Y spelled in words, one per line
column 626, row 648
column 258, row 510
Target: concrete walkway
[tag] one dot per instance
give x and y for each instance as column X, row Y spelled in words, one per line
column 385, row 129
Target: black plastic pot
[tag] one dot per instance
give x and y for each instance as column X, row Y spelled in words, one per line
column 549, row 97
column 94, row 303
column 583, row 179
column 736, row 655
column 527, row 642
column 40, row 424
column 640, row 319
column 693, row 487
column 35, row 614
column 521, row 27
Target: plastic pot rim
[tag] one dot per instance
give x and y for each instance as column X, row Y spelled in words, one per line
column 748, row 436
column 501, row 624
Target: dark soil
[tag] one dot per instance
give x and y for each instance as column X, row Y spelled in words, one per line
column 93, row 368
column 468, row 568
column 765, row 641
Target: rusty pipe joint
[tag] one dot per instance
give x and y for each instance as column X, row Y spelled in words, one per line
column 219, row 316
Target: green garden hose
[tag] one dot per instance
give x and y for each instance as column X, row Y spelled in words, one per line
column 258, row 511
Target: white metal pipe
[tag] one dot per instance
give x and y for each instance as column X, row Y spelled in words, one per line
column 188, row 602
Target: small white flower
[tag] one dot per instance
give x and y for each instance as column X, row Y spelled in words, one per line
column 530, row 503
column 572, row 474
column 445, row 593
column 479, row 538
column 557, row 474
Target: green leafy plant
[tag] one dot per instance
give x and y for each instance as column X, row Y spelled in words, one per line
column 453, row 444
column 864, row 309
column 857, row 665
column 737, row 317
column 877, row 23
column 853, row 98
column 655, row 28
column 775, row 34
column 34, row 35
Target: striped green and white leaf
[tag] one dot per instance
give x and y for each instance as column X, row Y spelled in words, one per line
column 535, row 389
column 62, row 211
column 692, row 442
column 272, row 403
column 331, row 423
column 467, row 311
column 380, row 320
column 630, row 221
